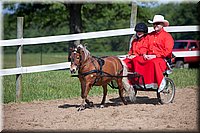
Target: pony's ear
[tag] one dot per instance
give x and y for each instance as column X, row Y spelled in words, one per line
column 71, row 49
column 78, row 49
column 85, row 45
column 80, row 46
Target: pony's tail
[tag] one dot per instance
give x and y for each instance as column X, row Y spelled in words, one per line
column 127, row 86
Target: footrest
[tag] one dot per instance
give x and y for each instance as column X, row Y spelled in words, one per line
column 136, row 76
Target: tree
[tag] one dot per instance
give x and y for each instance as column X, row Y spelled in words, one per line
column 75, row 23
column 180, row 14
column 50, row 19
column 98, row 17
column 40, row 19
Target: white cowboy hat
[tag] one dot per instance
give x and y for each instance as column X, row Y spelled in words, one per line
column 159, row 18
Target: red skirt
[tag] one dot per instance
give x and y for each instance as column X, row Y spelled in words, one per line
column 152, row 70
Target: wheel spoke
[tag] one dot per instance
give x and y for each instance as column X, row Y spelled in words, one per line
column 167, row 95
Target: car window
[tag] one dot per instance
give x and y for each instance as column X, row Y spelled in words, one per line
column 180, row 45
column 193, row 45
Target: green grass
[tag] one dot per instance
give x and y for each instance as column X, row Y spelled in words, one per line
column 9, row 60
column 185, row 77
column 59, row 85
column 46, row 86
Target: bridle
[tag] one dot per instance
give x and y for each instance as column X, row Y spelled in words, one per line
column 75, row 65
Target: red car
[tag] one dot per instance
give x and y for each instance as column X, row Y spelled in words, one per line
column 186, row 51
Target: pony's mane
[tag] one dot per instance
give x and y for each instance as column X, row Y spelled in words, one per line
column 86, row 52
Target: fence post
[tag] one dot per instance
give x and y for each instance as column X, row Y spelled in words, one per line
column 19, row 58
column 133, row 14
column 133, row 18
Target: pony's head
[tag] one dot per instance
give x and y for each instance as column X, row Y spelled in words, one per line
column 78, row 56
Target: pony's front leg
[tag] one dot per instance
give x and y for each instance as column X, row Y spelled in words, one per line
column 83, row 87
column 84, row 92
column 89, row 103
column 104, row 95
column 82, row 106
column 88, row 87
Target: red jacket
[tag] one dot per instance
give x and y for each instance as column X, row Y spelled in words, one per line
column 139, row 46
column 160, row 44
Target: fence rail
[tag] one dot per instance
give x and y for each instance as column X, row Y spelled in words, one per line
column 89, row 35
column 32, row 69
column 81, row 36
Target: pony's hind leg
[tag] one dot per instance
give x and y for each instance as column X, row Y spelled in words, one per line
column 104, row 95
column 121, row 89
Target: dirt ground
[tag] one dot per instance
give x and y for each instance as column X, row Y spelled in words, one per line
column 144, row 115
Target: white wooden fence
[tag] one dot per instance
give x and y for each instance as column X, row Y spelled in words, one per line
column 81, row 36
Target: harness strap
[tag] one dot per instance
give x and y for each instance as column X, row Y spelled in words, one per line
column 90, row 72
column 101, row 73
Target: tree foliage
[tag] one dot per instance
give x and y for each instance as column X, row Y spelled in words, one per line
column 50, row 19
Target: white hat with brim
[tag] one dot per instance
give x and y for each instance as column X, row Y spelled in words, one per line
column 159, row 18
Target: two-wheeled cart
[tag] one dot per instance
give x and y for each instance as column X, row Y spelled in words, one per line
column 165, row 96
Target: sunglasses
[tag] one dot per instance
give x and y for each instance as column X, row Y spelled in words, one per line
column 157, row 23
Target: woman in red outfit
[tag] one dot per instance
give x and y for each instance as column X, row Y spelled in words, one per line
column 152, row 65
column 139, row 47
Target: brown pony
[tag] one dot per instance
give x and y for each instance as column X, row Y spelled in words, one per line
column 93, row 71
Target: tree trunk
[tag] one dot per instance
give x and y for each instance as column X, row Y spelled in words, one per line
column 75, row 24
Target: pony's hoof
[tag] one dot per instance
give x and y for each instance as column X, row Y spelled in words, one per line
column 101, row 106
column 125, row 103
column 91, row 104
column 80, row 108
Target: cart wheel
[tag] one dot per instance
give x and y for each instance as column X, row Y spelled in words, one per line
column 168, row 93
